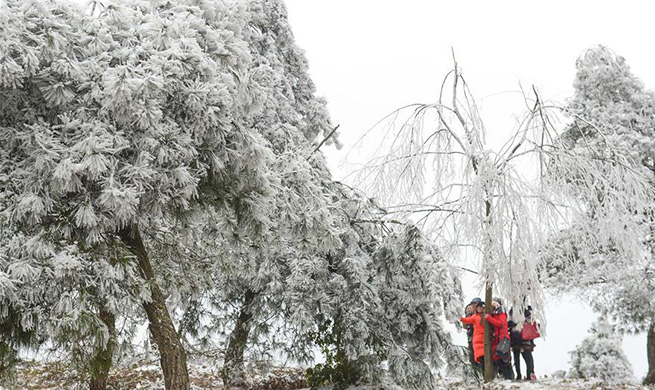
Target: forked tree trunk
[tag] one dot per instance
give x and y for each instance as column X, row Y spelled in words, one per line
column 171, row 351
column 101, row 362
column 489, row 371
column 232, row 372
column 650, row 350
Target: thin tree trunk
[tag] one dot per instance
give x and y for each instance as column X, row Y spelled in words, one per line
column 650, row 350
column 488, row 360
column 171, row 351
column 232, row 372
column 101, row 362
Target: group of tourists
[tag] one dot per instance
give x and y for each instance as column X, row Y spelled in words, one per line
column 508, row 337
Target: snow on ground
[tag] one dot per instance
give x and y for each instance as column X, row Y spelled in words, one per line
column 146, row 376
column 553, row 384
column 542, row 384
column 58, row 376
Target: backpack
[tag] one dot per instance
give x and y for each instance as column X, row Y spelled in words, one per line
column 530, row 331
column 502, row 349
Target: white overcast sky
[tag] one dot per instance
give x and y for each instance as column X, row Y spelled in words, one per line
column 370, row 57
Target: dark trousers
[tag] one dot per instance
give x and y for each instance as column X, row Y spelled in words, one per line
column 504, row 369
column 529, row 362
column 471, row 354
column 501, row 368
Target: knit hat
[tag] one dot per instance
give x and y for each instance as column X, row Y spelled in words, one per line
column 496, row 302
column 528, row 312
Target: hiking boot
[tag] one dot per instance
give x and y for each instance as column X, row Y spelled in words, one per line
column 533, row 377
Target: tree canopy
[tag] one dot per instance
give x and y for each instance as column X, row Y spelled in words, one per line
column 161, row 162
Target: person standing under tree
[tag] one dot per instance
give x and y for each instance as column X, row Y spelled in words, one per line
column 469, row 311
column 529, row 332
column 476, row 320
column 498, row 320
column 516, row 342
column 523, row 346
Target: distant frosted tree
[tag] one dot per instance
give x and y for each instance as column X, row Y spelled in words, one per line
column 434, row 164
column 601, row 356
column 611, row 106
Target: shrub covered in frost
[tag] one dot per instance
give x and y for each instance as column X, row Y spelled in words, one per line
column 600, row 355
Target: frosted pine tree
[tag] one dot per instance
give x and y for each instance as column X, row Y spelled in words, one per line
column 170, row 162
column 319, row 234
column 120, row 120
column 417, row 288
column 601, row 356
column 377, row 295
column 281, row 66
column 611, row 106
column 298, row 224
column 501, row 204
column 61, row 293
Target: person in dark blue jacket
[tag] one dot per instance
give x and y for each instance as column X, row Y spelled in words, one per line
column 521, row 347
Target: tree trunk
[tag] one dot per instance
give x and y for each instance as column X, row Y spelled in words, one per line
column 101, row 362
column 489, row 371
column 650, row 350
column 232, row 372
column 488, row 330
column 171, row 351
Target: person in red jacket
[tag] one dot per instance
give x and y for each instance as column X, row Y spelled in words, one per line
column 498, row 320
column 477, row 321
column 469, row 311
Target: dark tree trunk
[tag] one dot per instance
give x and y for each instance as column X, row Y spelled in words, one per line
column 489, row 371
column 232, row 372
column 171, row 351
column 650, row 350
column 101, row 362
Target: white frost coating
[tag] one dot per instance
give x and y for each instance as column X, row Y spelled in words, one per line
column 601, row 356
column 433, row 165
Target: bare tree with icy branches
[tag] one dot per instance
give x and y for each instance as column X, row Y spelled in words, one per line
column 434, row 164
